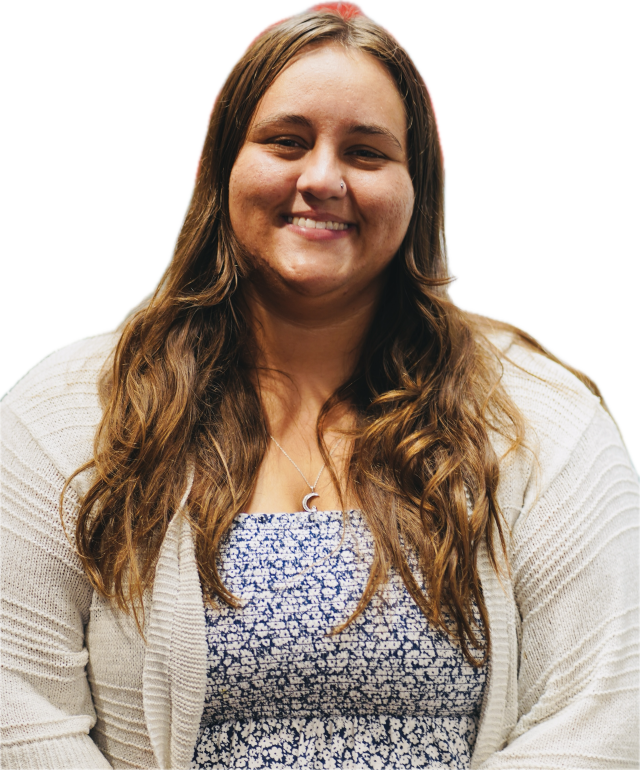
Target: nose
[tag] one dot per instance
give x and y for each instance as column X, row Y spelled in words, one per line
column 322, row 174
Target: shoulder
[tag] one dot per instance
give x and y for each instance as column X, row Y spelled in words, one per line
column 553, row 400
column 57, row 401
column 556, row 406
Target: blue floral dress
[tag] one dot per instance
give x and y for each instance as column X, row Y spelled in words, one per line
column 387, row 692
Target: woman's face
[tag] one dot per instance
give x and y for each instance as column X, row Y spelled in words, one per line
column 320, row 194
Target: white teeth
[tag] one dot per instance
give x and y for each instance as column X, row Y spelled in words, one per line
column 313, row 224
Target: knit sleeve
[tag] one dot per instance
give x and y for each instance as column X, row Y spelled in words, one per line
column 574, row 561
column 47, row 710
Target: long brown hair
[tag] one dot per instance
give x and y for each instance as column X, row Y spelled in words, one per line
column 426, row 391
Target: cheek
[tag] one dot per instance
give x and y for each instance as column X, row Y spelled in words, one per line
column 254, row 188
column 392, row 211
column 404, row 206
column 244, row 184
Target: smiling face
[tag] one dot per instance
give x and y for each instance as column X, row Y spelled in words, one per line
column 320, row 194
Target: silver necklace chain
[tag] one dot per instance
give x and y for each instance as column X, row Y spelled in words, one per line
column 306, row 498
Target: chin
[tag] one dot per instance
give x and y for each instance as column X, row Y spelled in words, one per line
column 312, row 285
column 312, row 277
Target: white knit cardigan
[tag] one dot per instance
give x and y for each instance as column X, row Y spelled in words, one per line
column 81, row 689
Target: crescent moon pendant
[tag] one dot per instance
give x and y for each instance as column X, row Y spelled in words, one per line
column 305, row 502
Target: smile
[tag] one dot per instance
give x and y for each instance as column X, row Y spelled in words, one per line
column 314, row 224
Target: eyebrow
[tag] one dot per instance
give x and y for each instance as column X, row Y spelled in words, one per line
column 370, row 129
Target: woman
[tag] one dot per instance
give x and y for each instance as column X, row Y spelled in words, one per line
column 317, row 516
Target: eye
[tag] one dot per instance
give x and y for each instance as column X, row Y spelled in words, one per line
column 286, row 143
column 366, row 153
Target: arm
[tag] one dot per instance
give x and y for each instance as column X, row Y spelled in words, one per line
column 575, row 574
column 47, row 710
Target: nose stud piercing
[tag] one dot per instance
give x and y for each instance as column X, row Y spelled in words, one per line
column 342, row 185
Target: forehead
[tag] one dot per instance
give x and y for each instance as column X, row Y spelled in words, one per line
column 333, row 85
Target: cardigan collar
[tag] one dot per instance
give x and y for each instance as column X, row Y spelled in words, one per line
column 175, row 665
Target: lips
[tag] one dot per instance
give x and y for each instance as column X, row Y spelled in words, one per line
column 317, row 229
column 317, row 224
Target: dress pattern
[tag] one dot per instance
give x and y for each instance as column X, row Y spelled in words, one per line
column 282, row 692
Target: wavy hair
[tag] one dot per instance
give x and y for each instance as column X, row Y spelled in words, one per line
column 426, row 391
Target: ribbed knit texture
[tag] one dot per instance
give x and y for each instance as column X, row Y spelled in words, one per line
column 82, row 690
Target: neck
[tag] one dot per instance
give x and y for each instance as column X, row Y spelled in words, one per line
column 306, row 348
